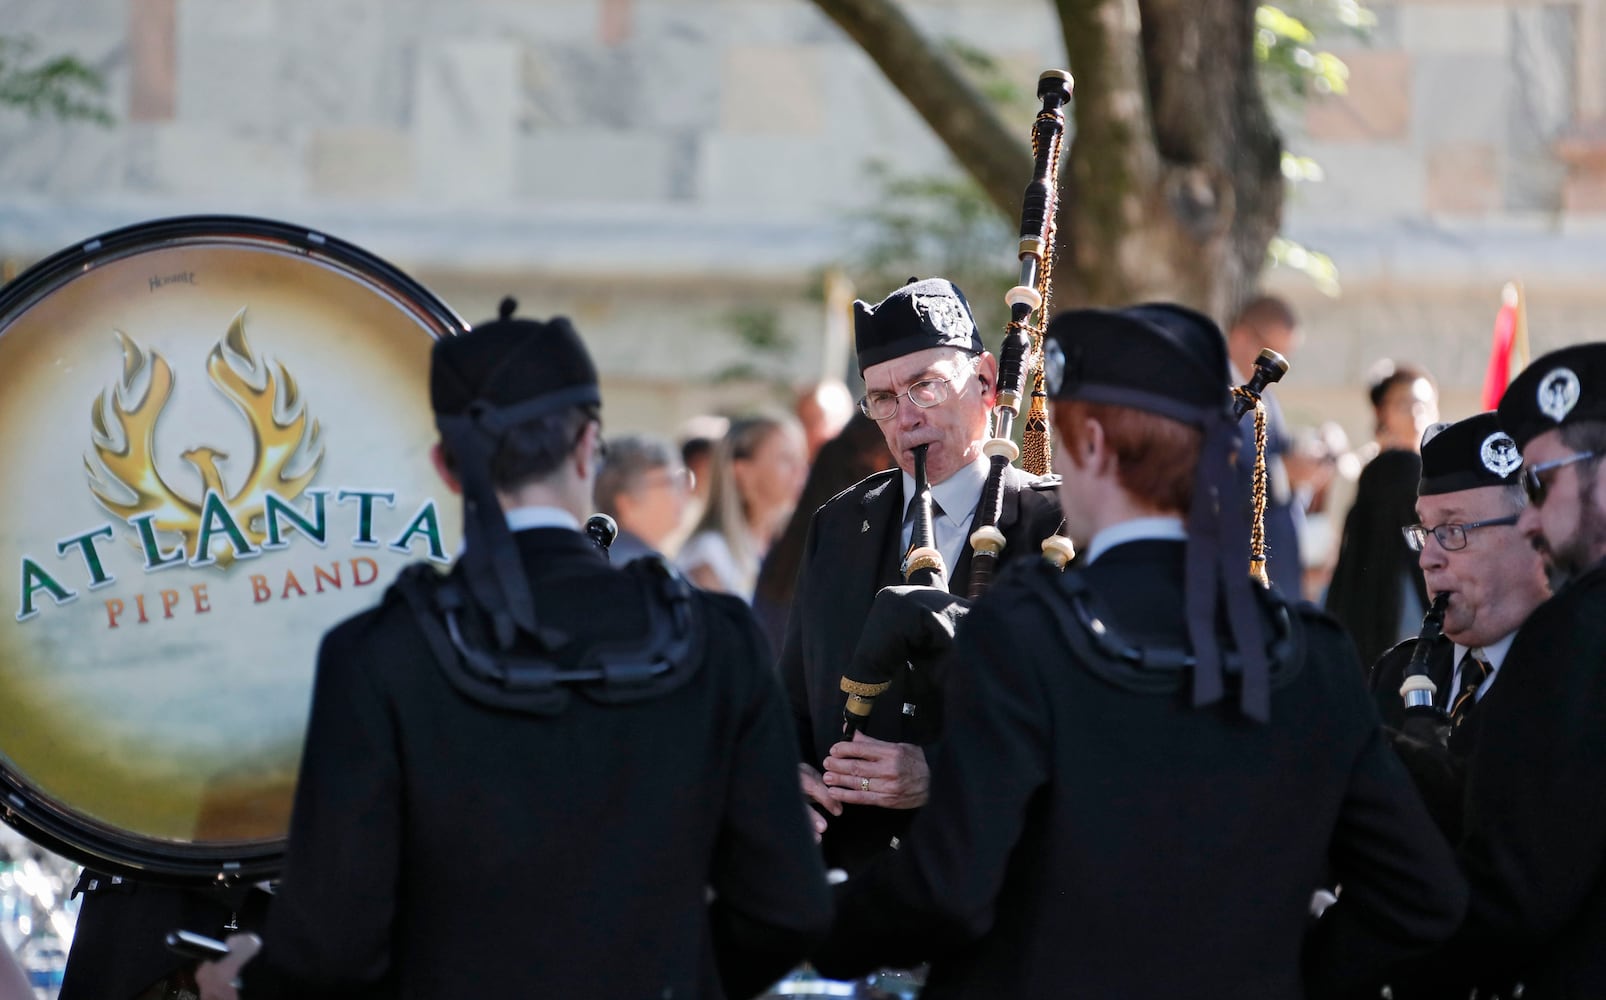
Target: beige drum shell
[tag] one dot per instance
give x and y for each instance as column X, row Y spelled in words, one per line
column 154, row 714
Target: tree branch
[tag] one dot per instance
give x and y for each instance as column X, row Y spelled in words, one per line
column 1215, row 131
column 997, row 157
column 1114, row 165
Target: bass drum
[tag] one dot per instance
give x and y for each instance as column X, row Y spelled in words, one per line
column 216, row 435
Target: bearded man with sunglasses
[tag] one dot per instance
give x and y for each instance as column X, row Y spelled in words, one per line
column 1469, row 498
column 929, row 381
column 1533, row 844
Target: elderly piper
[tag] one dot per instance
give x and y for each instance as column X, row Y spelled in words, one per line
column 928, row 381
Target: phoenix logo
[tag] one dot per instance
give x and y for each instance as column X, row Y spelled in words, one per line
column 287, row 448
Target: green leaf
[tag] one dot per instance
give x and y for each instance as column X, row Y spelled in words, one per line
column 1292, row 67
column 1317, row 266
column 61, row 87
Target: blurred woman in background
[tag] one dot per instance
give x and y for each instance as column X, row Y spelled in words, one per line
column 1377, row 591
column 756, row 477
column 857, row 452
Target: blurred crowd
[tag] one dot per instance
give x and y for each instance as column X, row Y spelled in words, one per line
column 728, row 501
column 36, row 917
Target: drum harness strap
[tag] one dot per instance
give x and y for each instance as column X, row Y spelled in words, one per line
column 631, row 668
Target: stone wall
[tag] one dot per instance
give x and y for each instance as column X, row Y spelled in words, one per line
column 1462, row 158
column 652, row 166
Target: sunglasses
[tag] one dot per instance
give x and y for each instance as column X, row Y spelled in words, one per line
column 1538, row 488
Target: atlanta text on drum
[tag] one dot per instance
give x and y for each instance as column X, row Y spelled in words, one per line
column 246, row 534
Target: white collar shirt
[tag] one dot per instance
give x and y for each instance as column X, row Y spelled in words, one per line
column 1494, row 654
column 1139, row 529
column 525, row 518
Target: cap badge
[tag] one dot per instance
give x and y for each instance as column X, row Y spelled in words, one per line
column 1500, row 455
column 1558, row 393
column 945, row 315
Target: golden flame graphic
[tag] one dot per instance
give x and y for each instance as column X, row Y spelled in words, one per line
column 124, row 439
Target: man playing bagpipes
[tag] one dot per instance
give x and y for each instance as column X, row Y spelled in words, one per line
column 1149, row 761
column 1484, row 579
column 1533, row 843
column 928, row 381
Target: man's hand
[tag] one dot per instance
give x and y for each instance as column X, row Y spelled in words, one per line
column 219, row 980
column 815, row 791
column 872, row 772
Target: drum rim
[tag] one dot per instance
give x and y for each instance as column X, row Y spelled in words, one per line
column 25, row 807
column 105, row 848
column 115, row 243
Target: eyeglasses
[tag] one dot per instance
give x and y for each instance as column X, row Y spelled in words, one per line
column 1537, row 488
column 1452, row 537
column 925, row 394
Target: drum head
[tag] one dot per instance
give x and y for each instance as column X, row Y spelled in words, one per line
column 215, row 435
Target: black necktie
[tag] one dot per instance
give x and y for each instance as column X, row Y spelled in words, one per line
column 909, row 511
column 1473, row 671
column 909, row 518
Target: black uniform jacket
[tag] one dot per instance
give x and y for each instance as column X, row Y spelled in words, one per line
column 851, row 553
column 441, row 848
column 1534, row 849
column 1437, row 766
column 1090, row 833
column 119, row 940
column 1373, row 559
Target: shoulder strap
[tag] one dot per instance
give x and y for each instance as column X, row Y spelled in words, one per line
column 661, row 659
column 418, row 585
column 1072, row 605
column 625, row 669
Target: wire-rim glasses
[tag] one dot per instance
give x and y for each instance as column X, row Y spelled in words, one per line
column 1537, row 488
column 1452, row 536
column 926, row 393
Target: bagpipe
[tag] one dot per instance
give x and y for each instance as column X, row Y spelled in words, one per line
column 1021, row 355
column 925, row 622
column 1424, row 720
column 923, row 566
column 870, row 674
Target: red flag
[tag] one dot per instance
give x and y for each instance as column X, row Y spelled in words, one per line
column 1510, row 339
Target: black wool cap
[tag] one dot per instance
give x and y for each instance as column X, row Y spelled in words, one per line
column 506, row 363
column 1468, row 454
column 920, row 315
column 1559, row 388
column 482, row 383
column 1158, row 357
